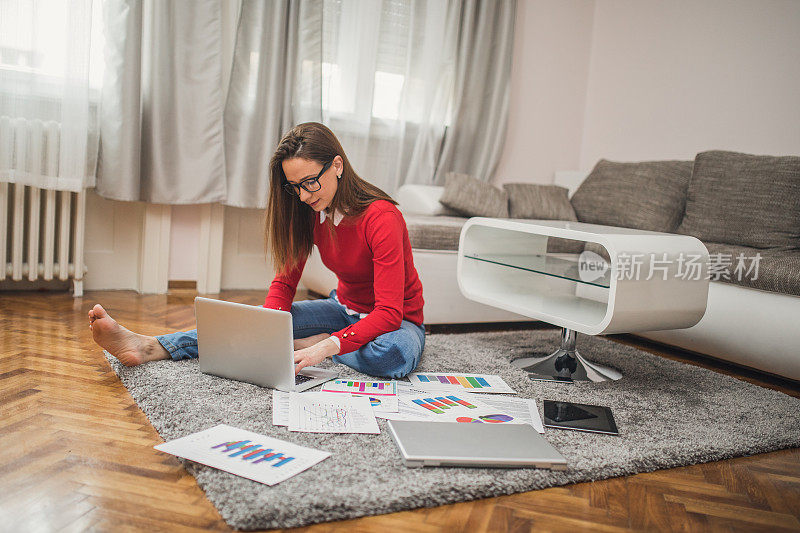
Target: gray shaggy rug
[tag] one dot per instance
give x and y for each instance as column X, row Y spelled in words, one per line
column 669, row 414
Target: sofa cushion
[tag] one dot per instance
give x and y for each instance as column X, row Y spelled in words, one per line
column 473, row 198
column 769, row 270
column 647, row 195
column 429, row 232
column 543, row 202
column 743, row 199
column 564, row 246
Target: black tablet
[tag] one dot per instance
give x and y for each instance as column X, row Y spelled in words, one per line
column 580, row 417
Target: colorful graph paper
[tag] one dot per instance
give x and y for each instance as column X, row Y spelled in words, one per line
column 468, row 382
column 471, row 382
column 370, row 388
column 492, row 419
column 442, row 404
column 463, row 407
column 244, row 453
column 253, row 452
column 382, row 394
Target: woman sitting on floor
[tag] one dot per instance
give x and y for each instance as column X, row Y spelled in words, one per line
column 373, row 321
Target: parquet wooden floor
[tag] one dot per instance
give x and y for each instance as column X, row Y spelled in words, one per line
column 76, row 453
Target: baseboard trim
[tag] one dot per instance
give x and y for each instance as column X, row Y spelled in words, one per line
column 182, row 285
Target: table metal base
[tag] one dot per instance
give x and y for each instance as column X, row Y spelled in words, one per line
column 565, row 364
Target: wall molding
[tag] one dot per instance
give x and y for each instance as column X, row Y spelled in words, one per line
column 154, row 258
column 209, row 253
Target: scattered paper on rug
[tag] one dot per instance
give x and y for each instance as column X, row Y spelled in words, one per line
column 669, row 414
column 264, row 459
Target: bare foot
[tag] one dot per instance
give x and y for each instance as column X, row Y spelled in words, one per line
column 130, row 348
column 299, row 344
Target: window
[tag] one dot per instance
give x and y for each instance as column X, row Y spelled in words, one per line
column 45, row 45
column 369, row 53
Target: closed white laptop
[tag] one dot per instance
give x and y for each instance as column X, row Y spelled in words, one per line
column 481, row 445
column 252, row 344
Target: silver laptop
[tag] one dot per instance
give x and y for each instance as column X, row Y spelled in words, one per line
column 251, row 344
column 482, row 445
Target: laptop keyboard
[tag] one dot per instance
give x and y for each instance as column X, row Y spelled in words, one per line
column 300, row 378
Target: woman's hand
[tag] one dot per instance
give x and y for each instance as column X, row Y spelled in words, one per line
column 314, row 354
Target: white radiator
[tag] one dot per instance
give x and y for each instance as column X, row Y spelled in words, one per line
column 41, row 230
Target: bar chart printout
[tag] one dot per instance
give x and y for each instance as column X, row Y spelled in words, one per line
column 244, row 453
column 382, row 394
column 461, row 408
column 366, row 388
column 483, row 383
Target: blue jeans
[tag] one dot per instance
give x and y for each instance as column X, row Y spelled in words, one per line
column 391, row 355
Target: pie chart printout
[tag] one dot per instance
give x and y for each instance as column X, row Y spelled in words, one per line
column 442, row 405
column 493, row 419
column 497, row 419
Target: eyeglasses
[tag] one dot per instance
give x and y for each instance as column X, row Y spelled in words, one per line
column 310, row 184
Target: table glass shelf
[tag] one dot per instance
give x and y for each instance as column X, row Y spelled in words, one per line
column 563, row 266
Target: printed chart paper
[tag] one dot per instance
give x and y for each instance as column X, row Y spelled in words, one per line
column 406, row 410
column 382, row 394
column 460, row 407
column 244, row 453
column 483, row 383
column 280, row 408
column 327, row 412
column 449, row 406
column 523, row 409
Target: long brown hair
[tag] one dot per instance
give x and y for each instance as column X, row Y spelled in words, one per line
column 289, row 231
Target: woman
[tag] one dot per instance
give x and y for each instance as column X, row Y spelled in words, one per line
column 373, row 322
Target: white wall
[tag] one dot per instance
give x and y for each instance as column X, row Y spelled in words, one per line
column 184, row 241
column 549, row 73
column 672, row 78
column 245, row 264
column 633, row 80
column 113, row 243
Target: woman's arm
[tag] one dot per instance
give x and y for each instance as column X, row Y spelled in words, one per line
column 384, row 234
column 283, row 288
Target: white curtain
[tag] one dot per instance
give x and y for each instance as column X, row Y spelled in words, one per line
column 402, row 83
column 258, row 110
column 50, row 75
column 476, row 132
column 380, row 74
column 162, row 102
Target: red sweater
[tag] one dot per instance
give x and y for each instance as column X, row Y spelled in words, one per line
column 371, row 257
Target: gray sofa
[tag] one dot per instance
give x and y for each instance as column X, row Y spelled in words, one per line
column 745, row 209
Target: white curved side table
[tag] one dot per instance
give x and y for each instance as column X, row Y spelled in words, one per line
column 655, row 281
